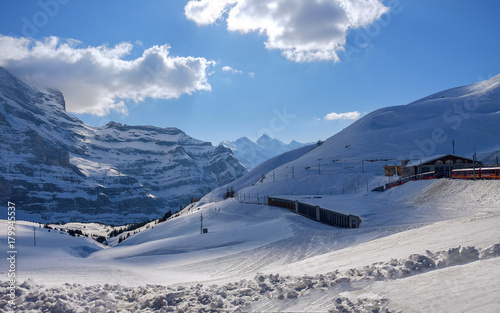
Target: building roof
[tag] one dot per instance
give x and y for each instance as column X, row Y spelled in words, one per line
column 434, row 158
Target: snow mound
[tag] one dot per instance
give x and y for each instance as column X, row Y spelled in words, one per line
column 263, row 291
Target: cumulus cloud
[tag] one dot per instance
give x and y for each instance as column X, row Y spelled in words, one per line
column 230, row 69
column 96, row 80
column 304, row 31
column 343, row 116
column 204, row 12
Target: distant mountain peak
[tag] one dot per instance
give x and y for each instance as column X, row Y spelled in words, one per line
column 266, row 140
column 16, row 88
column 489, row 87
column 251, row 153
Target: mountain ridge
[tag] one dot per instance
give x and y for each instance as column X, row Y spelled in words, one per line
column 57, row 168
column 251, row 154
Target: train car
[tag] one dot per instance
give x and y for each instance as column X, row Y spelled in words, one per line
column 404, row 180
column 463, row 173
column 479, row 173
column 428, row 175
column 392, row 184
column 490, row 173
column 424, row 176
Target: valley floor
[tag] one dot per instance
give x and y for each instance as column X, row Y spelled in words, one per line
column 430, row 246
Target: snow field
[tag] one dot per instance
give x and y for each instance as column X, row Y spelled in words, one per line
column 269, row 292
column 260, row 258
column 472, row 287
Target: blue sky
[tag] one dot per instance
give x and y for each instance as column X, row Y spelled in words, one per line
column 225, row 69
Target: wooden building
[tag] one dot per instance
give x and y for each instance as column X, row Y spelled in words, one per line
column 441, row 164
column 391, row 170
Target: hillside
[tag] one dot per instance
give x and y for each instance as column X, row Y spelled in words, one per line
column 353, row 159
column 56, row 168
column 418, row 247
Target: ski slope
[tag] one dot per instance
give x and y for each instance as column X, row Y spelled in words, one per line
column 260, row 258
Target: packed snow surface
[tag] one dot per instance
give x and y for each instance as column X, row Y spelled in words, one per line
column 426, row 245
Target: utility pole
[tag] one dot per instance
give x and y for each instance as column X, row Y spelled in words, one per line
column 474, row 163
column 34, row 236
column 453, row 144
column 201, row 220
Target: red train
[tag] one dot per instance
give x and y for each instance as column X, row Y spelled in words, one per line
column 480, row 173
column 404, row 180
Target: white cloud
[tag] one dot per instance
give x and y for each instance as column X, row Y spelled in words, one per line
column 96, row 80
column 343, row 116
column 304, row 31
column 230, row 69
column 204, row 12
column 251, row 74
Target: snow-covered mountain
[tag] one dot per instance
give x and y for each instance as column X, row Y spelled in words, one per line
column 55, row 167
column 426, row 246
column 251, row 153
column 354, row 158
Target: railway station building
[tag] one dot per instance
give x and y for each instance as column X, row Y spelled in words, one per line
column 441, row 164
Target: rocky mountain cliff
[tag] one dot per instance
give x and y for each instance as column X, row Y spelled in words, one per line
column 57, row 168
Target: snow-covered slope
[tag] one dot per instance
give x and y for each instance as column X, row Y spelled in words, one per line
column 251, row 154
column 419, row 246
column 256, row 175
column 426, row 246
column 56, row 168
column 353, row 159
